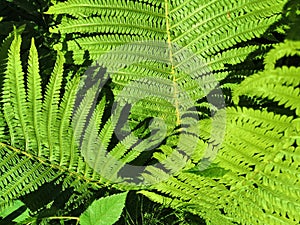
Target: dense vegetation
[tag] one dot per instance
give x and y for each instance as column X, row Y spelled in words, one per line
column 150, row 112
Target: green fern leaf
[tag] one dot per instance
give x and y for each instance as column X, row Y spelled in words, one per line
column 281, row 84
column 14, row 98
column 50, row 106
column 34, row 96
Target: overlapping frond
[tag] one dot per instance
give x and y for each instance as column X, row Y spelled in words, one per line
column 53, row 134
column 189, row 43
column 255, row 180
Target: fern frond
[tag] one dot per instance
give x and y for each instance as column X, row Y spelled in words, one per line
column 48, row 125
column 4, row 48
column 91, row 134
column 60, row 132
column 14, row 98
column 65, row 114
column 110, row 25
column 256, row 178
column 50, row 107
column 79, row 120
column 259, row 153
column 34, row 96
column 81, row 8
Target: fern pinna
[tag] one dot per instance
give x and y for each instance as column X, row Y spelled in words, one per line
column 173, row 61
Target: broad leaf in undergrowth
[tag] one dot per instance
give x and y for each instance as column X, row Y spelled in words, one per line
column 104, row 211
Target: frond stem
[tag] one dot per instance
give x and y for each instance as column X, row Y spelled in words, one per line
column 178, row 121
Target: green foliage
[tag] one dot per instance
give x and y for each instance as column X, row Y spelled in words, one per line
column 205, row 28
column 105, row 211
column 30, row 17
column 17, row 206
column 259, row 153
column 141, row 210
column 277, row 84
column 213, row 92
column 32, row 151
column 174, row 51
